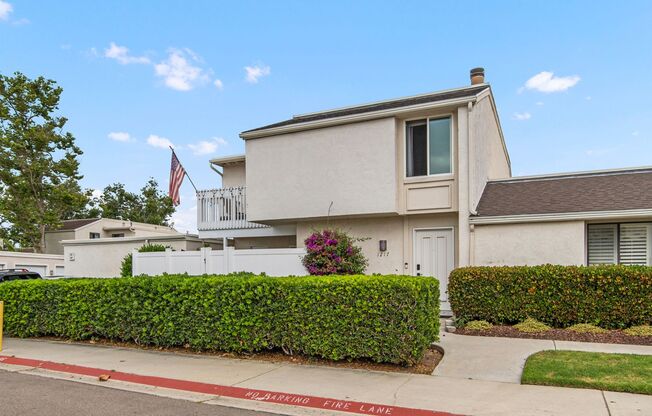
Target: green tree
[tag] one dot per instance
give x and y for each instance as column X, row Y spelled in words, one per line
column 39, row 167
column 151, row 205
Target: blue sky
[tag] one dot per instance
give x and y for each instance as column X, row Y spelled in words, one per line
column 139, row 74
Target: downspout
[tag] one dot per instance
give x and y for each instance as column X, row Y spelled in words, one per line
column 210, row 164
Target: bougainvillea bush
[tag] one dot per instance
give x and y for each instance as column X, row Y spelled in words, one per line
column 333, row 252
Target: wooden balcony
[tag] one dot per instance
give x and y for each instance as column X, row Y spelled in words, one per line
column 223, row 209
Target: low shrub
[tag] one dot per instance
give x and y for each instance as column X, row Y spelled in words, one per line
column 389, row 319
column 608, row 296
column 639, row 331
column 587, row 328
column 531, row 325
column 478, row 325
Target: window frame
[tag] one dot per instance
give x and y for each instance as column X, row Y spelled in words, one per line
column 427, row 119
column 93, row 235
column 618, row 224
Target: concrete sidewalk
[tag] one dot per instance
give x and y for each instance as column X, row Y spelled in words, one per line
column 437, row 393
column 503, row 359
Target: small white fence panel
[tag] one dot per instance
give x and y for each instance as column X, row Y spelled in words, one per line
column 273, row 262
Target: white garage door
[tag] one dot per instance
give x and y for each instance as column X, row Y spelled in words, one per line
column 42, row 270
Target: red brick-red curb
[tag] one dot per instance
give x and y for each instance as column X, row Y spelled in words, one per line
column 229, row 391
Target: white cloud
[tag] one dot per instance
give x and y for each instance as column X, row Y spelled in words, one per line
column 547, row 82
column 5, row 10
column 218, row 83
column 119, row 136
column 253, row 73
column 21, row 22
column 539, row 103
column 588, row 98
column 207, row 147
column 121, row 54
column 635, row 133
column 97, row 193
column 158, row 141
column 522, row 116
column 179, row 72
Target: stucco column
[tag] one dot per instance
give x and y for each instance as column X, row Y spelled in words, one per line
column 463, row 236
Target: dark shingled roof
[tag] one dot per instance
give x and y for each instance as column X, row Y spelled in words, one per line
column 594, row 191
column 68, row 225
column 384, row 105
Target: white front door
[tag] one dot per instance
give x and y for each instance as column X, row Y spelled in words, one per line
column 434, row 256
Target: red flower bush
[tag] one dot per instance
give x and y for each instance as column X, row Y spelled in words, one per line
column 333, row 252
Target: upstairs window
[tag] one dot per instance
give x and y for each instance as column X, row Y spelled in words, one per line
column 428, row 147
column 93, row 235
column 628, row 243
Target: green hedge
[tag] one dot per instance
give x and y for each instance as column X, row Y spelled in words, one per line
column 383, row 318
column 607, row 296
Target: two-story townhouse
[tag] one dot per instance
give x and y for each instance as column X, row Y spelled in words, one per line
column 426, row 182
column 405, row 175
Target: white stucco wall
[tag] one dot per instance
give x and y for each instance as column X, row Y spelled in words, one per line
column 297, row 175
column 53, row 240
column 529, row 244
column 234, row 175
column 372, row 230
column 488, row 159
column 397, row 230
column 102, row 257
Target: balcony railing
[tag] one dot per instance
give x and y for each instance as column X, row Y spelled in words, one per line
column 223, row 209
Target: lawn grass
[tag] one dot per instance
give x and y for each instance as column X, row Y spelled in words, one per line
column 604, row 371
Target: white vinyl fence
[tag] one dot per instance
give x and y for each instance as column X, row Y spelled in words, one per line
column 273, row 262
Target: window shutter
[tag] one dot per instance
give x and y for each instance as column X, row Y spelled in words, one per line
column 634, row 244
column 602, row 244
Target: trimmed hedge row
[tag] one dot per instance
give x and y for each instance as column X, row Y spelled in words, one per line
column 608, row 296
column 382, row 318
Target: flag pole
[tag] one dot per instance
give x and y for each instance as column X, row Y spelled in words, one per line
column 184, row 170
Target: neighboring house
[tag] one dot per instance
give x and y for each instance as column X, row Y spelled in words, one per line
column 426, row 180
column 92, row 228
column 600, row 217
column 47, row 265
column 102, row 257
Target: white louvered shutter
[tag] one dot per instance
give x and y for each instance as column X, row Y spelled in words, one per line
column 634, row 243
column 602, row 244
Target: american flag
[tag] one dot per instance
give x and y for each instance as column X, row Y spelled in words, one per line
column 177, row 174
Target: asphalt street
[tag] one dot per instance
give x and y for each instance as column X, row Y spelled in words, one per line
column 27, row 395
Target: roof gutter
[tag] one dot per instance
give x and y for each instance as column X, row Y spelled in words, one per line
column 255, row 134
column 561, row 216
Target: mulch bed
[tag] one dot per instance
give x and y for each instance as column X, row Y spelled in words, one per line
column 611, row 337
column 431, row 358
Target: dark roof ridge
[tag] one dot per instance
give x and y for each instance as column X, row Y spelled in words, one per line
column 390, row 104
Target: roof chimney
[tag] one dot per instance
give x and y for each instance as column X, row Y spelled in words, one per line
column 477, row 76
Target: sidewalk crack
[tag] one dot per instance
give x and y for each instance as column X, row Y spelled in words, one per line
column 399, row 388
column 258, row 375
column 606, row 404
